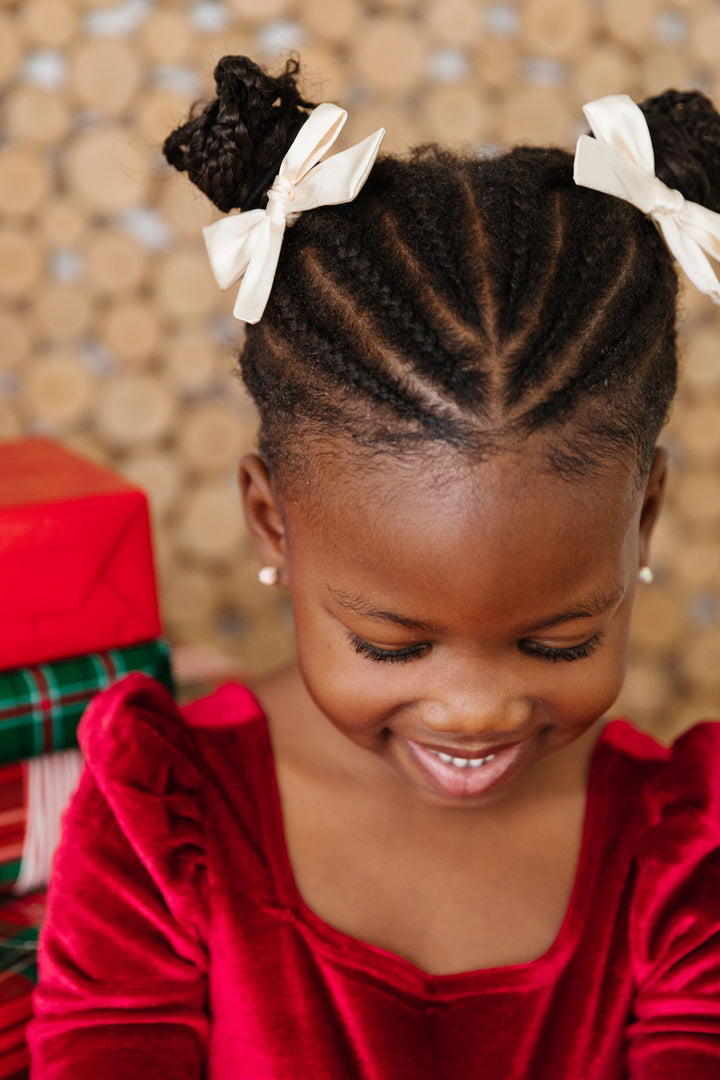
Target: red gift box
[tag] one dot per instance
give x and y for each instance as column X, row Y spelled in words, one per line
column 76, row 560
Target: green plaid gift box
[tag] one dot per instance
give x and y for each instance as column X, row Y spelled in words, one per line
column 41, row 706
column 20, row 922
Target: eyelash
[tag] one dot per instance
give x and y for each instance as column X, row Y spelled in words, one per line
column 532, row 648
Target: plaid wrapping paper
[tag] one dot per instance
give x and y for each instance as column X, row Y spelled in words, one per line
column 41, row 706
column 20, row 922
column 13, row 820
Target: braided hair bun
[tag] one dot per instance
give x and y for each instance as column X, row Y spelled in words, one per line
column 685, row 132
column 232, row 150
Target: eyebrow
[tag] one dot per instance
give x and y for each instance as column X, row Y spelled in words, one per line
column 597, row 604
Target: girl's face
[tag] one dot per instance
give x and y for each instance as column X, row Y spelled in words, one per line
column 445, row 611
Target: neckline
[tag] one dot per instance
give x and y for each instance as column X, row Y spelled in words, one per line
column 390, row 967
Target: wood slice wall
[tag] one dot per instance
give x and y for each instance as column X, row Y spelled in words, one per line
column 114, row 338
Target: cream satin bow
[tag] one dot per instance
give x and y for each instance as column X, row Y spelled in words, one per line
column 620, row 161
column 247, row 245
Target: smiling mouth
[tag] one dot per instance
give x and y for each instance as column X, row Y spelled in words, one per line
column 466, row 776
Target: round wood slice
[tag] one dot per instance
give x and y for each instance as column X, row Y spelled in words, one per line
column 659, row 624
column 701, row 367
column 25, row 180
column 606, row 68
column 400, row 123
column 390, row 54
column 108, row 171
column 185, row 208
column 62, row 311
column 11, row 426
column 188, row 594
column 324, row 76
column 104, row 74
column 701, row 660
column 238, row 40
column 498, row 64
column 158, row 474
column 35, row 115
column 697, row 498
column 21, row 262
column 132, row 329
column 662, row 68
column 191, row 359
column 697, row 563
column 58, row 389
column 211, row 524
column 456, row 114
column 158, row 112
column 211, row 438
column 700, row 434
column 115, row 262
column 89, row 446
column 705, row 37
column 630, row 24
column 48, row 24
column 685, row 713
column 454, row 22
column 556, row 28
column 537, row 115
column 165, row 36
column 134, row 408
column 62, row 221
column 15, row 340
column 185, row 285
column 11, row 52
column 260, row 10
column 334, row 20
column 647, row 688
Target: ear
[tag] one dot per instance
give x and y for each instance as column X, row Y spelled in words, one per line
column 262, row 513
column 652, row 501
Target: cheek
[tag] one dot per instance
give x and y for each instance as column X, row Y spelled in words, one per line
column 353, row 692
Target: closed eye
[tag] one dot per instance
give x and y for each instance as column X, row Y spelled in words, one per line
column 571, row 652
column 386, row 656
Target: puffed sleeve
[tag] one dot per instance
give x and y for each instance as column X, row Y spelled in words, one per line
column 122, row 958
column 674, row 1033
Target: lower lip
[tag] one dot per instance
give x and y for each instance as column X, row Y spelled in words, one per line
column 465, row 782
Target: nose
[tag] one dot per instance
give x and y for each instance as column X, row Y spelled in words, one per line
column 478, row 713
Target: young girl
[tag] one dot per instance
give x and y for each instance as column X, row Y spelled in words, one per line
column 423, row 852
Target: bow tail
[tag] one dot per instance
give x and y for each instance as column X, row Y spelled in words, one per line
column 691, row 257
column 257, row 281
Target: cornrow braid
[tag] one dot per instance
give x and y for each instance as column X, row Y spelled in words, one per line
column 472, row 302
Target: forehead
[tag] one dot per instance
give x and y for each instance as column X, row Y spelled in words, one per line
column 435, row 530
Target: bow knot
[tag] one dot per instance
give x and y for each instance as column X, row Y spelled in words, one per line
column 280, row 196
column 667, row 200
column 247, row 246
column 620, row 161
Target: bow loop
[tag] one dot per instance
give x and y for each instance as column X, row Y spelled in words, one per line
column 620, row 161
column 247, row 246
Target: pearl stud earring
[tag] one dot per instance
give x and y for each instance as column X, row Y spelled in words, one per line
column 268, row 575
column 646, row 575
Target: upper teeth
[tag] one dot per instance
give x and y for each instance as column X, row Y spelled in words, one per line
column 461, row 762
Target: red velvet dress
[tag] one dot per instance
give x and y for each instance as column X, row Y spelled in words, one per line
column 177, row 945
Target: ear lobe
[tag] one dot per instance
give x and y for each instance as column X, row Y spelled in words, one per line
column 652, row 500
column 262, row 512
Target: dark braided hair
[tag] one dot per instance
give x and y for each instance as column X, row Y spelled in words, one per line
column 470, row 302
